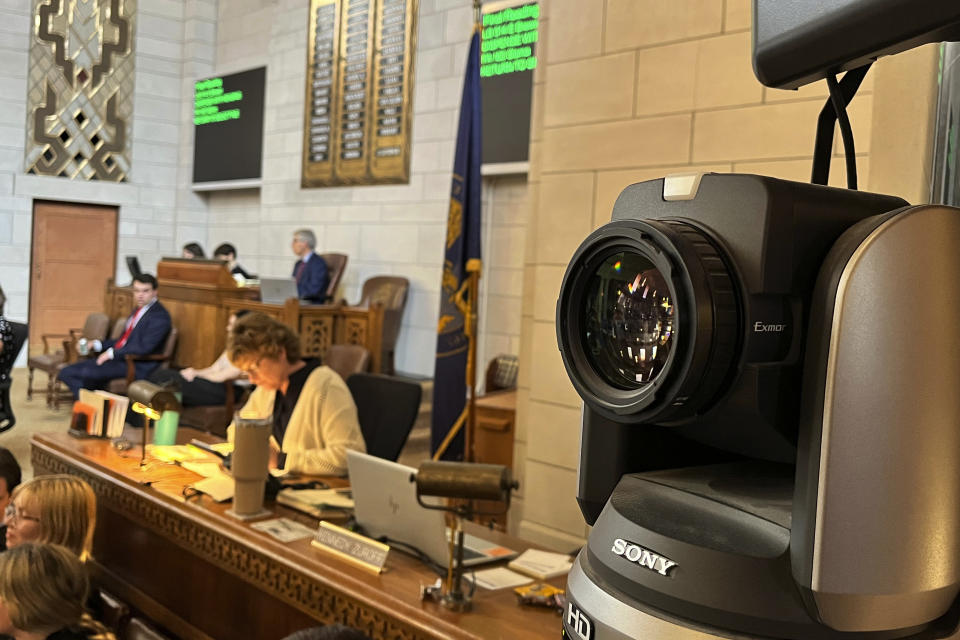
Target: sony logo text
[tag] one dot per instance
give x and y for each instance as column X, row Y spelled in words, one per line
column 643, row 557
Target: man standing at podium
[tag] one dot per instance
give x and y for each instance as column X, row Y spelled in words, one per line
column 144, row 334
column 310, row 271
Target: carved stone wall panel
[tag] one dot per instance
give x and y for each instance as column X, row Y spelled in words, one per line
column 283, row 582
column 80, row 89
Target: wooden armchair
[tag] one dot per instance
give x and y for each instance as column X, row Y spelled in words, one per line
column 347, row 359
column 336, row 265
column 119, row 385
column 51, row 362
column 391, row 293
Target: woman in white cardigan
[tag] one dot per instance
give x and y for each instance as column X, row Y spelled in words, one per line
column 314, row 417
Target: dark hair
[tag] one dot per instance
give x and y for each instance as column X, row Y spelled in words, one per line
column 146, row 278
column 225, row 249
column 3, row 300
column 195, row 249
column 328, row 632
column 239, row 313
column 9, row 469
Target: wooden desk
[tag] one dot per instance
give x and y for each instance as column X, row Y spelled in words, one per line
column 205, row 575
column 201, row 294
column 493, row 440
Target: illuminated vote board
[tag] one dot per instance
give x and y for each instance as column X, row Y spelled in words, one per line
column 359, row 90
column 508, row 57
column 228, row 127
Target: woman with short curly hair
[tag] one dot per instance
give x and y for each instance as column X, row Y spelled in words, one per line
column 314, row 417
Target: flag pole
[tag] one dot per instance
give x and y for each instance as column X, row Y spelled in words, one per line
column 457, row 326
column 468, row 455
column 473, row 268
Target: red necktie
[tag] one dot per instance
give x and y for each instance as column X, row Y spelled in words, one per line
column 300, row 268
column 126, row 334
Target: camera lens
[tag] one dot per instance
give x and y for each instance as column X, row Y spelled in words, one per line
column 628, row 320
column 648, row 321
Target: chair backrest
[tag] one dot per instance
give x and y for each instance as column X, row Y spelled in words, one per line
column 502, row 373
column 95, row 327
column 170, row 346
column 336, row 265
column 347, row 359
column 118, row 326
column 390, row 291
column 387, row 408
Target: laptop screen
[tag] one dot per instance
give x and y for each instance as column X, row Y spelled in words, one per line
column 385, row 504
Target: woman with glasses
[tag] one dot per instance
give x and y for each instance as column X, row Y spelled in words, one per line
column 314, row 417
column 58, row 509
column 42, row 591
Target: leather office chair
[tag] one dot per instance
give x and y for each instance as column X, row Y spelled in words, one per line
column 7, row 419
column 387, row 408
column 51, row 362
column 119, row 385
column 336, row 265
column 391, row 292
column 501, row 373
column 347, row 359
column 215, row 418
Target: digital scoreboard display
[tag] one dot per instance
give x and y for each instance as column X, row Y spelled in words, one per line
column 508, row 56
column 228, row 127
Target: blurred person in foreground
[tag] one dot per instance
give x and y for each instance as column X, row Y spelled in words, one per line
column 10, row 476
column 57, row 509
column 43, row 588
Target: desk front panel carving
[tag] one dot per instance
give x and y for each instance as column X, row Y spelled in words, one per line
column 204, row 575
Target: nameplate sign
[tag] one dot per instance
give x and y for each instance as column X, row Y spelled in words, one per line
column 353, row 547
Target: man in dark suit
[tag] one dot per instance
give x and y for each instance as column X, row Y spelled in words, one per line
column 145, row 334
column 311, row 270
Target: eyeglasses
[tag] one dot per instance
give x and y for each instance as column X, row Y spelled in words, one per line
column 11, row 516
column 253, row 368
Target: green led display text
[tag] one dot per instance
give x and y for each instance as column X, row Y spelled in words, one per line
column 208, row 96
column 508, row 39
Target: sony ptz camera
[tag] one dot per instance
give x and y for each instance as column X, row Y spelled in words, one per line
column 770, row 439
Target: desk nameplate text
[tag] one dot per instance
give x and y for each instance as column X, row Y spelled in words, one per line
column 353, row 547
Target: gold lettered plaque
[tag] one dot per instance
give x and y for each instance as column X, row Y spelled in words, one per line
column 359, row 88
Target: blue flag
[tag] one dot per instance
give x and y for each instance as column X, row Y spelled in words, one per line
column 462, row 256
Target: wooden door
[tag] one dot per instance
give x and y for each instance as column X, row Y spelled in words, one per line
column 74, row 252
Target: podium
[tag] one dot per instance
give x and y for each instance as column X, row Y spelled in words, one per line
column 201, row 294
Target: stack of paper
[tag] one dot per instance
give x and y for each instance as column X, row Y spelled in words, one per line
column 541, row 564
column 320, row 503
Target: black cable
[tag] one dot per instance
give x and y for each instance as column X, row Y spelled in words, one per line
column 823, row 143
column 840, row 108
column 409, row 549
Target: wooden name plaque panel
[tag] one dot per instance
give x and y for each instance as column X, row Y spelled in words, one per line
column 359, row 92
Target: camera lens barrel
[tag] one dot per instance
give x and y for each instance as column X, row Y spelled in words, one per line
column 649, row 321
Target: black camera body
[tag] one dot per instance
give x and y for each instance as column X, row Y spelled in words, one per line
column 741, row 254
column 770, row 440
